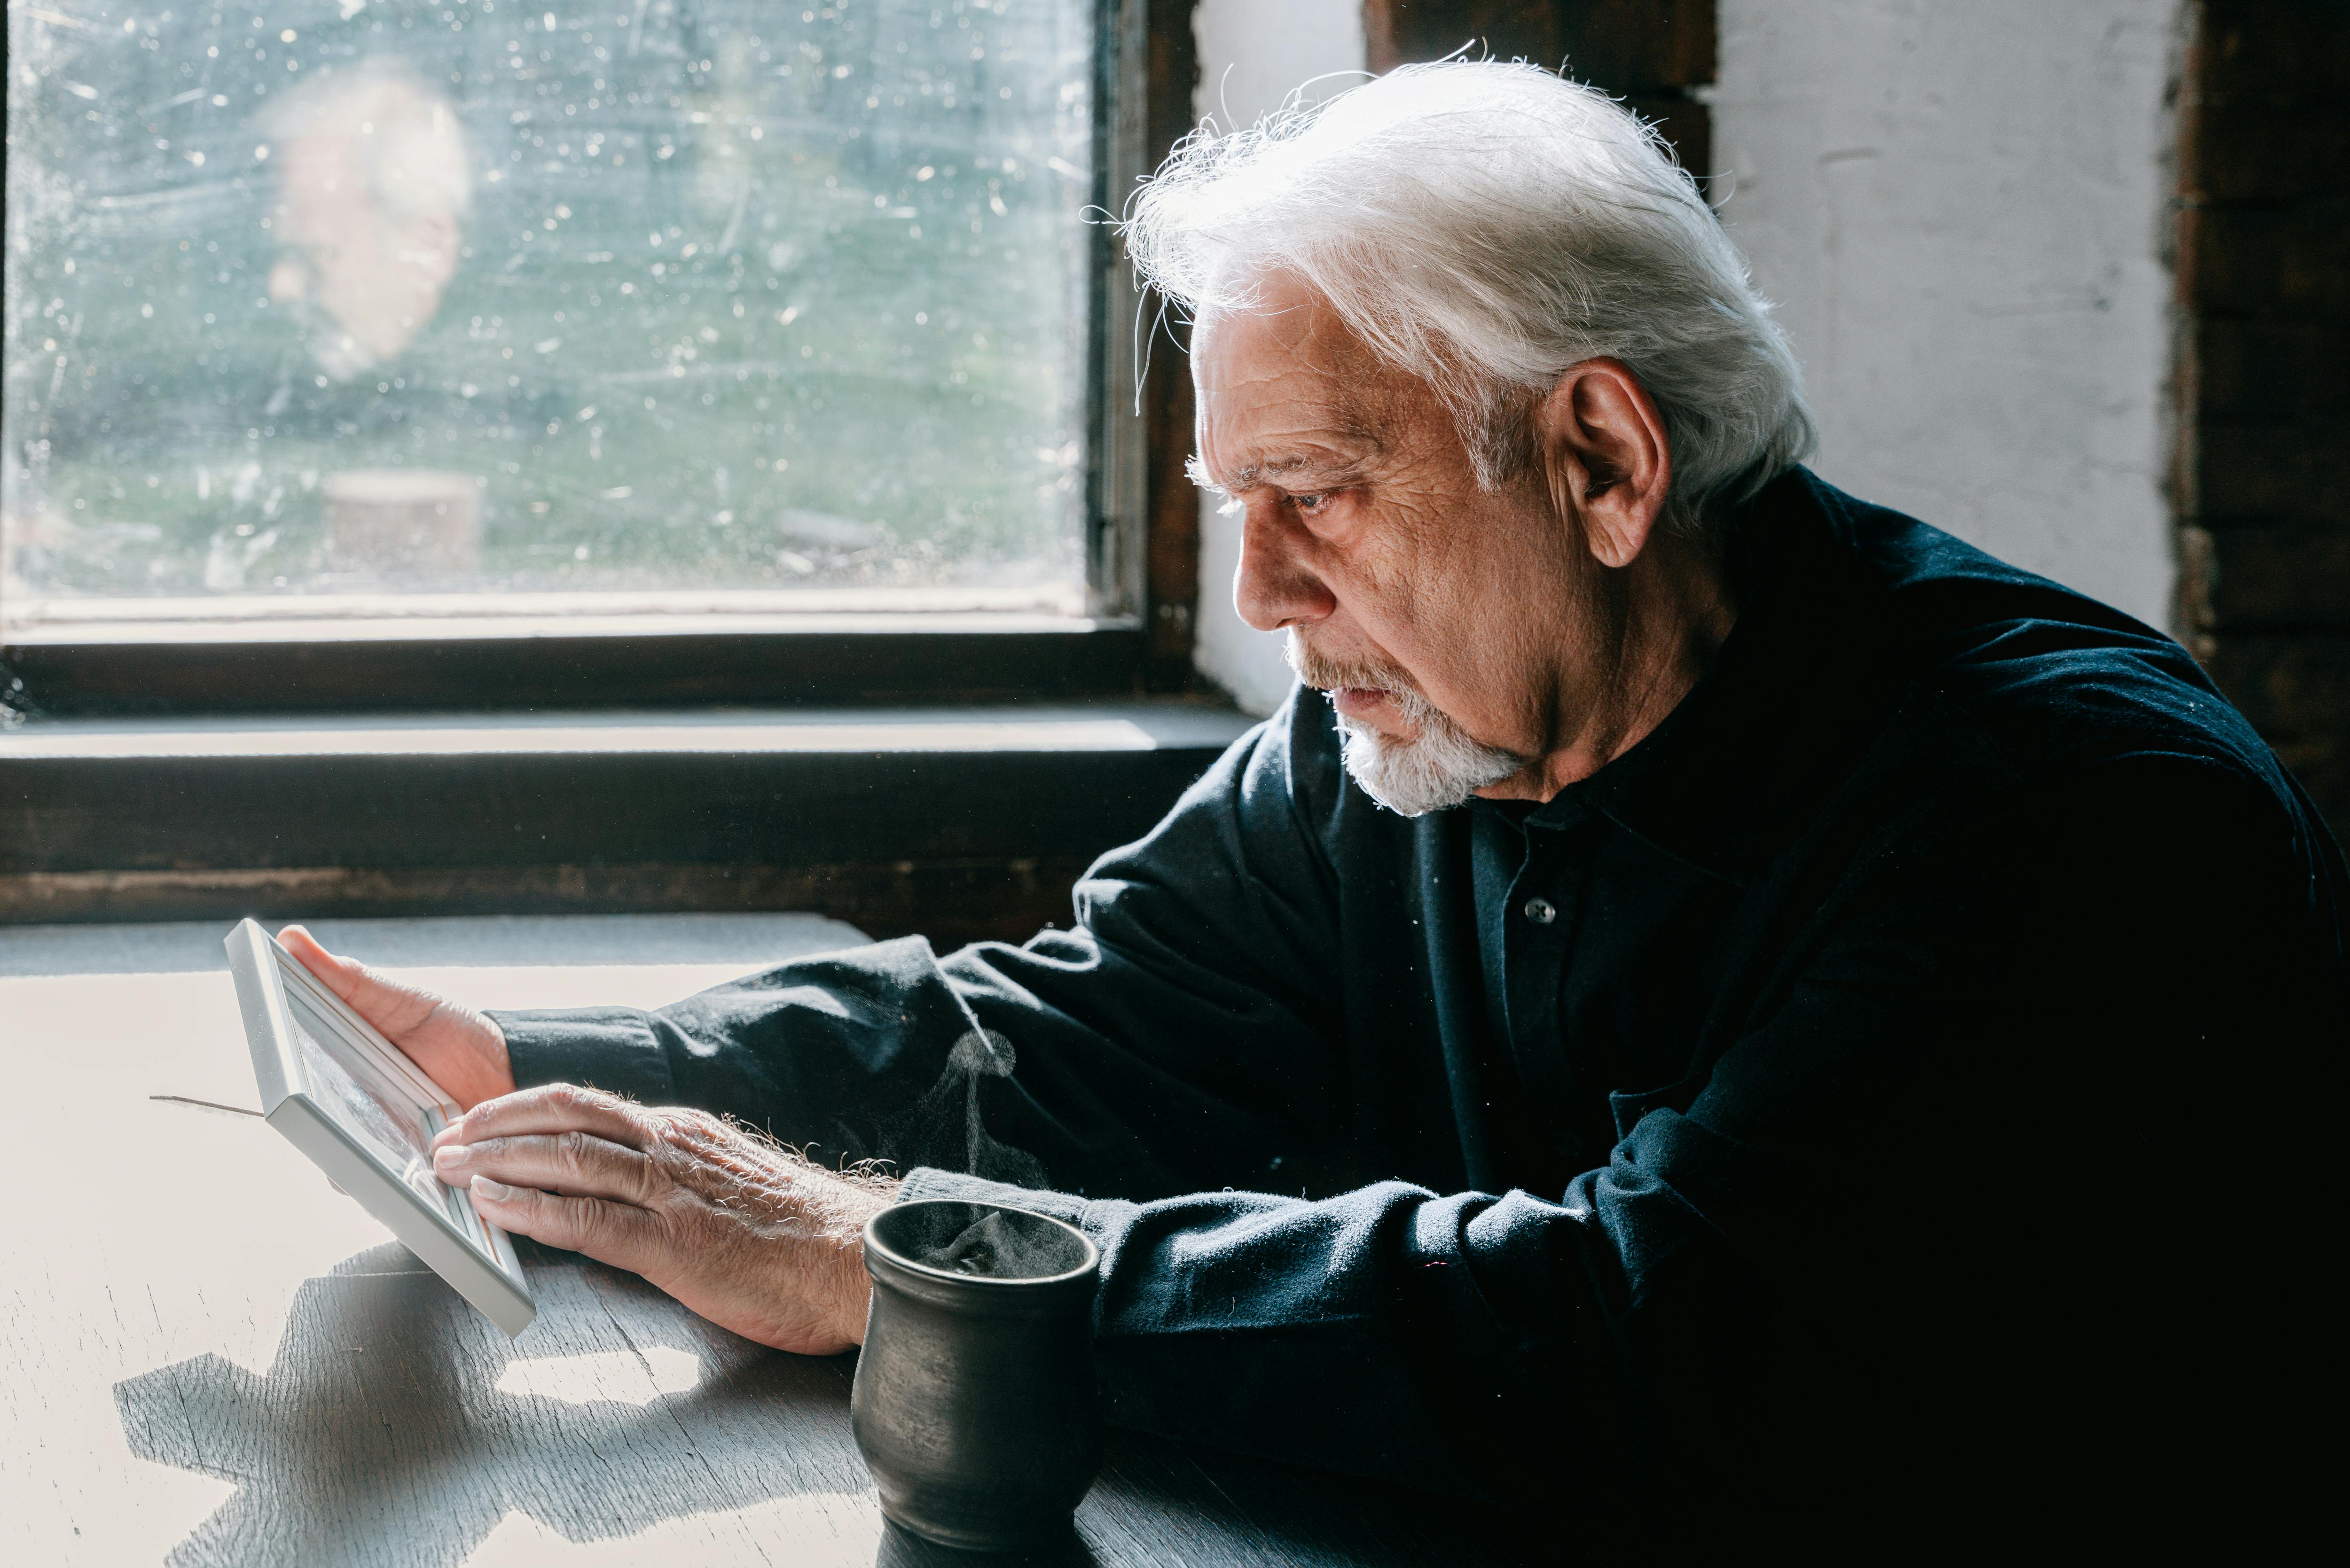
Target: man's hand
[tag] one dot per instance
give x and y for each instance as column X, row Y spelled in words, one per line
column 746, row 1234
column 458, row 1048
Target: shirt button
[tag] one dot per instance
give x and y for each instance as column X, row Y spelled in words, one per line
column 1540, row 911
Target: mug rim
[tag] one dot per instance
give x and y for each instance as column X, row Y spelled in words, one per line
column 876, row 1247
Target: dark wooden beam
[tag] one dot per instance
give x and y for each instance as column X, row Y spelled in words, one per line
column 1402, row 32
column 1172, row 71
column 1652, row 53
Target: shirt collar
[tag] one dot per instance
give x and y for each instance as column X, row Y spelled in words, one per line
column 1806, row 669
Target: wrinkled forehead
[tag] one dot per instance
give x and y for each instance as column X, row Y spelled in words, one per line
column 1281, row 372
column 1281, row 326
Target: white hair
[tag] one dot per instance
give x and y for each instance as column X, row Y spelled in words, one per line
column 1486, row 226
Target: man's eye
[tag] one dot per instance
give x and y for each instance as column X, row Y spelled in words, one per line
column 1312, row 501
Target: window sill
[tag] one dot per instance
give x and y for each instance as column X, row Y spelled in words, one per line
column 955, row 823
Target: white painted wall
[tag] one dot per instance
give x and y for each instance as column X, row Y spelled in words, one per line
column 1957, row 208
column 1253, row 55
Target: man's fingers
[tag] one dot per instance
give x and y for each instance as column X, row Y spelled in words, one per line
column 552, row 1108
column 394, row 1010
column 614, row 1233
column 339, row 973
column 574, row 1161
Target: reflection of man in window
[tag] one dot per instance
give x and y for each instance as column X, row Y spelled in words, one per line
column 374, row 182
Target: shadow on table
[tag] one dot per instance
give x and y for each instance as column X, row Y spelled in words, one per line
column 382, row 1433
column 399, row 1426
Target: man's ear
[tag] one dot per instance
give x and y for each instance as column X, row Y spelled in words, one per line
column 1605, row 457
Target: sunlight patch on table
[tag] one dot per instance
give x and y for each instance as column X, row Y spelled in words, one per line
column 138, row 1513
column 745, row 1535
column 214, row 1277
column 613, row 1376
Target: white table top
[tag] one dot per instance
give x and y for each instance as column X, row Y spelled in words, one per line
column 207, row 1356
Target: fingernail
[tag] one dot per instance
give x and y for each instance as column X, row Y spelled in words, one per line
column 450, row 1156
column 495, row 1191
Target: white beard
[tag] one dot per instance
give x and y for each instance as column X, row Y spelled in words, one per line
column 1438, row 767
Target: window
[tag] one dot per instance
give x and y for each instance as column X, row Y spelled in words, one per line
column 321, row 312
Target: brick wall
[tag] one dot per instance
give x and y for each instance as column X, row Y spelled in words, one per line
column 2261, row 483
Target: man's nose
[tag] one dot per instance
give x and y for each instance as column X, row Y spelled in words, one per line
column 1274, row 585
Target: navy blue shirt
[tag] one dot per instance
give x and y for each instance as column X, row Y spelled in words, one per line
column 1858, row 1059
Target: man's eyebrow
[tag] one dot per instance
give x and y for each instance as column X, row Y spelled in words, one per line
column 1277, row 470
column 1197, row 472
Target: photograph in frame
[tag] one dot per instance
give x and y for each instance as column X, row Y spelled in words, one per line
column 365, row 1115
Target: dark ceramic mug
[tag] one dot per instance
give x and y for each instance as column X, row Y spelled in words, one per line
column 974, row 1399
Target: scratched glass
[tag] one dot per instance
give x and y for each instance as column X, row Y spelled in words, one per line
column 341, row 307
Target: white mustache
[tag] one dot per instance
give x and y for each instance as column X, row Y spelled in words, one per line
column 1435, row 765
column 1330, row 674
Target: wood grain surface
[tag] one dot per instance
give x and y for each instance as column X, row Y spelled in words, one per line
column 208, row 1356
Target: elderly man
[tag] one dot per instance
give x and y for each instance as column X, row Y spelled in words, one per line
column 1744, row 1008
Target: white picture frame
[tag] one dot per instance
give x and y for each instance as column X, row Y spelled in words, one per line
column 367, row 1115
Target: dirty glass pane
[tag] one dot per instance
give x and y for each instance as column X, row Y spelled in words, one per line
column 335, row 307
